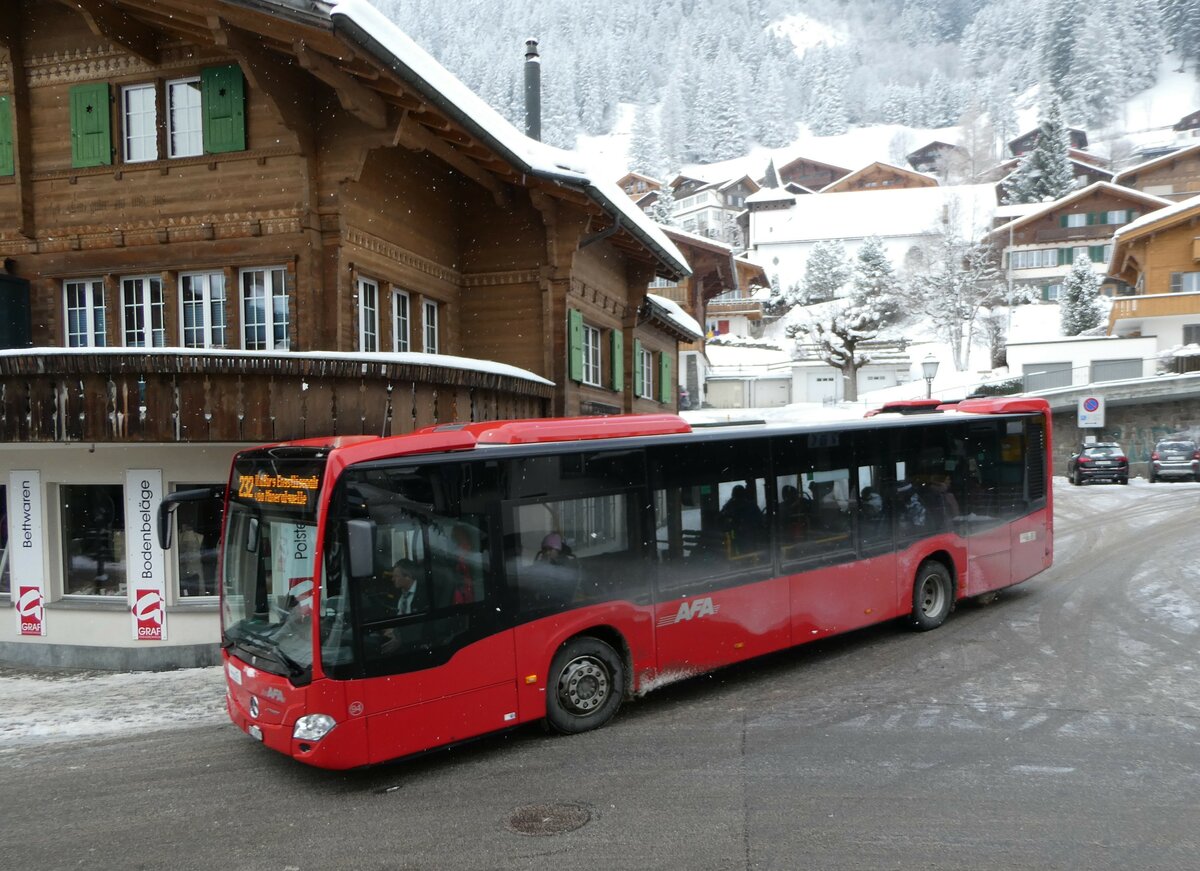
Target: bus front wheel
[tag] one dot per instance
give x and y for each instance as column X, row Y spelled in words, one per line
column 933, row 596
column 587, row 682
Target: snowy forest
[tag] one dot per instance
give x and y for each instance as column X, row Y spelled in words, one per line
column 716, row 76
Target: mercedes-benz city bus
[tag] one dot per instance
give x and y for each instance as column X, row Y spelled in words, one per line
column 384, row 596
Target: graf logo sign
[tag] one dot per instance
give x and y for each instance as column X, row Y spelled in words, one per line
column 30, row 610
column 148, row 612
column 693, row 610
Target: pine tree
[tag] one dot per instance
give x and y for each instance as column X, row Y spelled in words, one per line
column 645, row 148
column 1079, row 307
column 1045, row 173
column 874, row 281
column 825, row 271
column 1057, row 47
column 663, row 210
column 828, row 114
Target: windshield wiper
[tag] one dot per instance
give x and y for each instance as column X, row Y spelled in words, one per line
column 261, row 646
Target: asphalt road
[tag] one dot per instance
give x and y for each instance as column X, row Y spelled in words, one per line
column 1056, row 728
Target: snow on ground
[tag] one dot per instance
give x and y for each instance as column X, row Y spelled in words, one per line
column 46, row 708
column 804, row 32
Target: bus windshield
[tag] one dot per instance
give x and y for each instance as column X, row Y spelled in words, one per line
column 268, row 567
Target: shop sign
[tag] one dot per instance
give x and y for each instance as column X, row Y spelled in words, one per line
column 26, row 556
column 144, row 559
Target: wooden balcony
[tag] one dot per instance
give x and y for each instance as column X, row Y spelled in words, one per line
column 180, row 395
column 1155, row 306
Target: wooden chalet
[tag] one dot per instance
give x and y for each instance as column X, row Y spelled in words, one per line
column 1027, row 141
column 1085, row 172
column 1039, row 247
column 880, row 176
column 1159, row 257
column 810, row 174
column 1190, row 121
column 637, row 185
column 239, row 221
column 1175, row 176
column 938, row 157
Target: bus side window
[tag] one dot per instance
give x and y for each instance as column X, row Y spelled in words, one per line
column 814, row 496
column 711, row 517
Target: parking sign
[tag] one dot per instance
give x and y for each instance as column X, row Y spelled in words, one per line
column 1091, row 411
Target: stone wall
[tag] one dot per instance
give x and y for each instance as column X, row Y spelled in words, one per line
column 1136, row 427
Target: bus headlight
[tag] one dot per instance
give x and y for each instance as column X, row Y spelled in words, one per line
column 313, row 727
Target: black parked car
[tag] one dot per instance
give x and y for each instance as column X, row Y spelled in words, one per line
column 1098, row 461
column 1175, row 458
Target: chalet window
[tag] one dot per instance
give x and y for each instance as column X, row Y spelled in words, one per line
column 1191, row 334
column 185, row 118
column 1080, row 253
column 143, row 312
column 430, row 316
column 643, row 371
column 265, row 323
column 139, row 123
column 1185, row 282
column 205, row 114
column 1039, row 258
column 202, row 309
column 591, row 355
column 85, row 313
column 368, row 315
column 1051, row 292
column 400, row 320
column 1077, row 219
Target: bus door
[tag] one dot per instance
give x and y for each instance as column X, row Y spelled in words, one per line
column 434, row 634
column 815, row 528
column 716, row 598
column 993, row 474
column 574, row 553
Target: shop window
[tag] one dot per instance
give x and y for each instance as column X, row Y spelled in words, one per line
column 93, row 539
column 197, row 542
column 5, row 557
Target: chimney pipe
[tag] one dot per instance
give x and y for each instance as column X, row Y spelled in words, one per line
column 533, row 90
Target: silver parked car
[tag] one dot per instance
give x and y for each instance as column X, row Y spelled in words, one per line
column 1175, row 458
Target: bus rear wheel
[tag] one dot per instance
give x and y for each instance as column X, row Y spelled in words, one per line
column 933, row 596
column 587, row 683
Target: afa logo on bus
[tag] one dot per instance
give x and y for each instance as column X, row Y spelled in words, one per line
column 693, row 610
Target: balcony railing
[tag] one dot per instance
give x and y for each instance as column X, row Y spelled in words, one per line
column 1153, row 306
column 126, row 395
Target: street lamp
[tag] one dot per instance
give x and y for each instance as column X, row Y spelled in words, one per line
column 929, row 367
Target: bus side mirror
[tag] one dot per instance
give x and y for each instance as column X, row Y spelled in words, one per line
column 360, row 542
column 171, row 501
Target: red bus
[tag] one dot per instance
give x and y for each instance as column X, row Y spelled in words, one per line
column 384, row 596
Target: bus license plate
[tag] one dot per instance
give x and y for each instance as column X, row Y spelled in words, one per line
column 235, row 673
column 255, row 732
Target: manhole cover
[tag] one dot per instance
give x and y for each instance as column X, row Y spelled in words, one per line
column 548, row 819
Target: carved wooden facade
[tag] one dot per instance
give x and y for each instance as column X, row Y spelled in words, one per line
column 880, row 176
column 1175, row 176
column 358, row 212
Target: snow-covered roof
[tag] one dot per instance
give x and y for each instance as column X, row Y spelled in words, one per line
column 403, row 358
column 1041, row 209
column 1167, row 212
column 878, row 164
column 684, row 321
column 771, row 195
column 884, row 213
column 369, row 28
column 1154, row 161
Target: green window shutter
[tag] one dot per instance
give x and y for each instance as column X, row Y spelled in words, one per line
column 575, row 345
column 1062, row 221
column 618, row 360
column 223, row 98
column 1064, row 256
column 665, row 388
column 1096, row 253
column 638, row 375
column 1091, row 219
column 91, row 136
column 7, row 165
